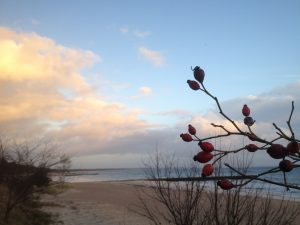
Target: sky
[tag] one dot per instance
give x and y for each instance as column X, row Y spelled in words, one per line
column 106, row 80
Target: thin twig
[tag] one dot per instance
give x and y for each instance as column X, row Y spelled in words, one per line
column 289, row 121
column 257, row 177
column 281, row 133
column 285, row 181
column 220, row 108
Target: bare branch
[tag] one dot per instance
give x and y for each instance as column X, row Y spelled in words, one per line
column 257, row 177
column 268, row 145
column 289, row 121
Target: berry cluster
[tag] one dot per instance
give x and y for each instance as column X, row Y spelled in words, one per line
column 208, row 151
column 205, row 155
column 278, row 151
column 248, row 120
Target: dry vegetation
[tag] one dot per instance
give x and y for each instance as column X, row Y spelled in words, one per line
column 192, row 202
column 24, row 178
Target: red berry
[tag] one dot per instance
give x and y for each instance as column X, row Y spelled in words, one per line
column 192, row 130
column 186, row 137
column 207, row 170
column 293, row 147
column 251, row 147
column 225, row 184
column 249, row 121
column 206, row 146
column 203, row 157
column 286, row 165
column 193, row 84
column 199, row 74
column 277, row 151
column 246, row 110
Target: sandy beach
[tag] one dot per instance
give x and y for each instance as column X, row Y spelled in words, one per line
column 105, row 203
column 102, row 203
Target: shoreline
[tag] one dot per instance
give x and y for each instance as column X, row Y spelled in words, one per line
column 146, row 183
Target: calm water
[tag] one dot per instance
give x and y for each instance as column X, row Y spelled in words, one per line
column 140, row 173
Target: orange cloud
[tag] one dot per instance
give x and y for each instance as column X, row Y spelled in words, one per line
column 29, row 57
column 44, row 92
column 145, row 90
column 154, row 56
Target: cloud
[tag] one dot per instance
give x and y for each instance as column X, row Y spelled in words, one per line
column 43, row 92
column 166, row 138
column 35, row 22
column 266, row 108
column 135, row 150
column 136, row 33
column 27, row 57
column 124, row 30
column 145, row 90
column 177, row 113
column 142, row 34
column 153, row 56
column 143, row 93
column 270, row 107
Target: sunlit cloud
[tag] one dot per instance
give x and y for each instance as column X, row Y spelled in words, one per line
column 153, row 56
column 177, row 113
column 145, row 90
column 267, row 108
column 27, row 57
column 43, row 92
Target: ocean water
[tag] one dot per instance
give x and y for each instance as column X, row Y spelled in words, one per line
column 293, row 177
column 107, row 175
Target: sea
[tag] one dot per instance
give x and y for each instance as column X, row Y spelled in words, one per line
column 126, row 174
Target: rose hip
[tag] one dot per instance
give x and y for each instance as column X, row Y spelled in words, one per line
column 246, row 110
column 199, row 74
column 277, row 151
column 293, row 147
column 251, row 147
column 192, row 130
column 225, row 184
column 207, row 170
column 286, row 165
column 193, row 84
column 206, row 146
column 186, row 137
column 203, row 157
